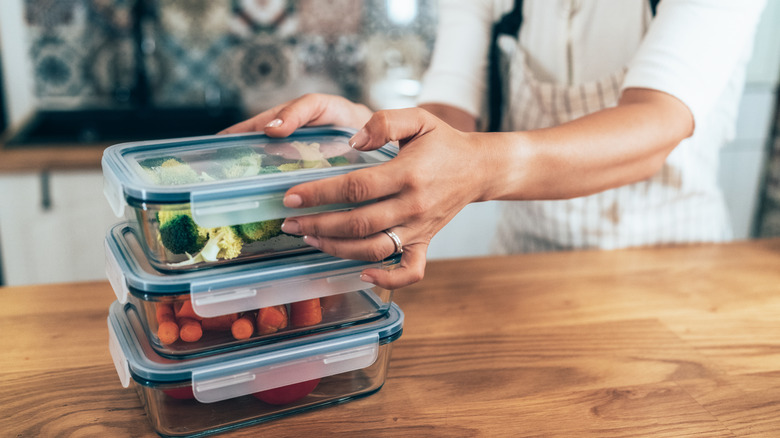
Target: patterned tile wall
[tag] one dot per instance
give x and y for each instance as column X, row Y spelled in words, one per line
column 251, row 53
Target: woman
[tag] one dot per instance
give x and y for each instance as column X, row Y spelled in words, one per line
column 613, row 113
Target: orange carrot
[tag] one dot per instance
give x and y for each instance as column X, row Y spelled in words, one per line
column 271, row 319
column 243, row 327
column 168, row 332
column 190, row 330
column 219, row 323
column 184, row 310
column 306, row 313
column 164, row 312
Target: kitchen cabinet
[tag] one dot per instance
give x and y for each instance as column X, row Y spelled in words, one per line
column 52, row 226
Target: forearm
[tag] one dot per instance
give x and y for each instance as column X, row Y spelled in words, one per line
column 603, row 150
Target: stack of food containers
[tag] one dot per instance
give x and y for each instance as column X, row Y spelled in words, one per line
column 222, row 320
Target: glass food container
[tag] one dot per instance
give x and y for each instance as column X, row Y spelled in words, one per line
column 212, row 394
column 234, row 306
column 205, row 201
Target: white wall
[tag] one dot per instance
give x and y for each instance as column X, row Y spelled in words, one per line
column 17, row 80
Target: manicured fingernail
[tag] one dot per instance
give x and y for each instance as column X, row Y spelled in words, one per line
column 312, row 241
column 292, row 201
column 291, row 227
column 359, row 140
column 366, row 278
column 275, row 123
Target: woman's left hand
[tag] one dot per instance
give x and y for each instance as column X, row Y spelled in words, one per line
column 438, row 171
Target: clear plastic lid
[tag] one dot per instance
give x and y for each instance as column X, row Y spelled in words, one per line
column 229, row 375
column 231, row 179
column 234, row 288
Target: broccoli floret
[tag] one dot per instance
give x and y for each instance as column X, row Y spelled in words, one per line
column 339, row 160
column 269, row 169
column 157, row 162
column 263, row 230
column 172, row 172
column 248, row 165
column 179, row 234
column 223, row 243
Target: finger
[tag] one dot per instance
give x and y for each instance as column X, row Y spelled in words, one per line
column 282, row 120
column 359, row 222
column 411, row 269
column 253, row 124
column 374, row 248
column 392, row 125
column 307, row 110
column 358, row 186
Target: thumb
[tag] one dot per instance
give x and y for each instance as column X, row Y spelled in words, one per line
column 399, row 125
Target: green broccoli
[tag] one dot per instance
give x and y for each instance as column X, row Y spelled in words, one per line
column 238, row 162
column 220, row 243
column 170, row 172
column 269, row 169
column 248, row 165
column 178, row 232
column 257, row 231
column 338, row 160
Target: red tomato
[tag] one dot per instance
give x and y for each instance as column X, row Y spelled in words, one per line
column 287, row 394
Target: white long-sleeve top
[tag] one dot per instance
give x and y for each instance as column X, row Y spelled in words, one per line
column 695, row 50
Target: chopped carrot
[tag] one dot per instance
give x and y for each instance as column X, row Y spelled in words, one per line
column 219, row 323
column 190, row 330
column 243, row 328
column 271, row 319
column 184, row 310
column 168, row 332
column 306, row 313
column 164, row 312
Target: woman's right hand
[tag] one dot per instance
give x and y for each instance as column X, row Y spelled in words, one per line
column 307, row 110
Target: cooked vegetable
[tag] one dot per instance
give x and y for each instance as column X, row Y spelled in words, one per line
column 173, row 172
column 339, row 160
column 243, row 328
column 190, row 330
column 167, row 328
column 271, row 319
column 179, row 233
column 259, row 231
column 183, row 309
column 219, row 323
column 306, row 313
column 310, row 155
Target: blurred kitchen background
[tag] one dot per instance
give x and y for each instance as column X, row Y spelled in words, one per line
column 97, row 72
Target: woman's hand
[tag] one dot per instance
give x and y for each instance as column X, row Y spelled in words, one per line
column 307, row 110
column 436, row 173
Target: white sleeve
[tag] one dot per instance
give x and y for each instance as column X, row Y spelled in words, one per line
column 693, row 47
column 456, row 75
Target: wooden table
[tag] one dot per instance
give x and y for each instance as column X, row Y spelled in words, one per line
column 657, row 342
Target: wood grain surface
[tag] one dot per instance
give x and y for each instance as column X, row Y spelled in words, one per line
column 663, row 342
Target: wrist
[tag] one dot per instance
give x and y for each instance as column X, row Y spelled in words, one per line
column 506, row 161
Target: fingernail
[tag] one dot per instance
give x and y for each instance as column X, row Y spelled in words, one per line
column 290, row 226
column 275, row 123
column 359, row 140
column 312, row 241
column 367, row 278
column 292, row 201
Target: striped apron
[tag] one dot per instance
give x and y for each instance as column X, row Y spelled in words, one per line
column 681, row 203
